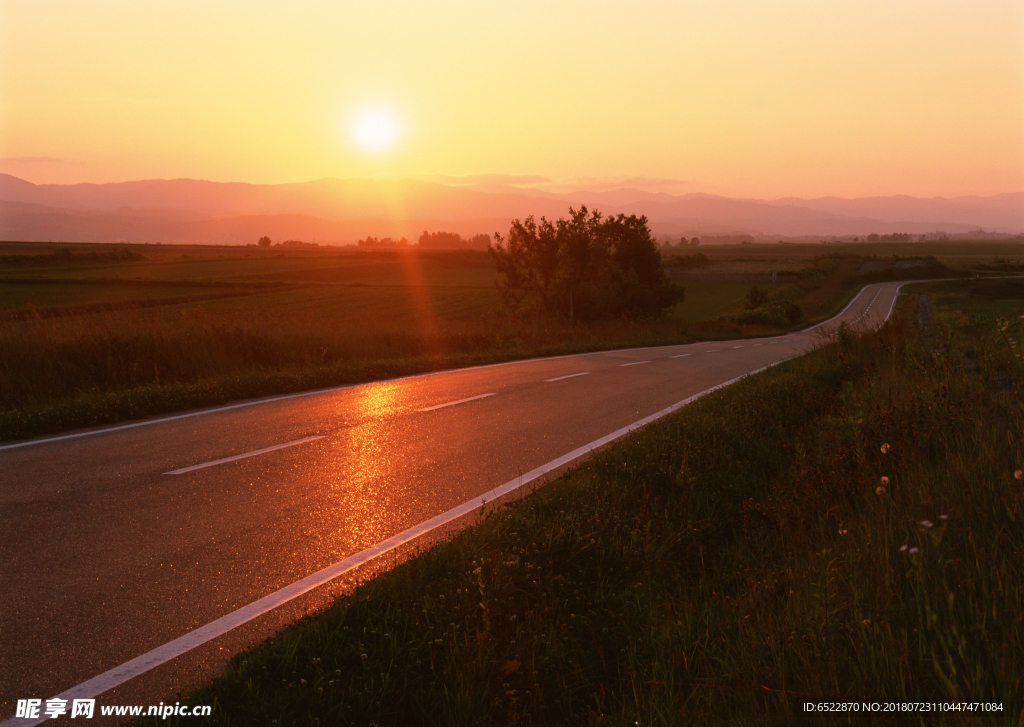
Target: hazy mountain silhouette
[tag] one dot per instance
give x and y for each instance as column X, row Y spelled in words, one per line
column 336, row 210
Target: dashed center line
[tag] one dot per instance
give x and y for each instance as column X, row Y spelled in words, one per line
column 570, row 376
column 460, row 401
column 686, row 354
column 712, row 350
column 253, row 453
column 735, row 347
column 758, row 344
column 634, row 363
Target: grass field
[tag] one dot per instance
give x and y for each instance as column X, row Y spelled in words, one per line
column 92, row 334
column 842, row 527
column 959, row 253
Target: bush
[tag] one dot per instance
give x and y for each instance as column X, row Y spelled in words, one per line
column 774, row 315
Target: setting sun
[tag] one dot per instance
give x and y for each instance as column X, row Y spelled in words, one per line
column 374, row 130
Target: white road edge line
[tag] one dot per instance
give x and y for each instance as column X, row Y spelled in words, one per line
column 680, row 355
column 332, row 389
column 570, row 376
column 253, row 453
column 634, row 363
column 460, row 401
column 111, row 678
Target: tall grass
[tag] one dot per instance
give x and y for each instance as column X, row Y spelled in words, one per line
column 84, row 370
column 845, row 526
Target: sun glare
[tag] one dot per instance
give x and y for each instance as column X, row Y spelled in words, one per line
column 374, row 130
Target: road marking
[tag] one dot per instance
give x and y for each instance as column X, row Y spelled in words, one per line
column 758, row 344
column 111, row 678
column 570, row 376
column 735, row 347
column 712, row 350
column 634, row 363
column 460, row 401
column 253, row 453
column 686, row 354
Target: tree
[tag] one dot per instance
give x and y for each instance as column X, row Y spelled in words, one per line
column 755, row 298
column 584, row 267
column 264, row 241
column 580, row 251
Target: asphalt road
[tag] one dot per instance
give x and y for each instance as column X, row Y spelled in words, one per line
column 104, row 555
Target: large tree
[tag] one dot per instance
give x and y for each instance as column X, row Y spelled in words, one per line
column 584, row 267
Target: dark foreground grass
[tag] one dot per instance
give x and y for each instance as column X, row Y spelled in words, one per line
column 758, row 550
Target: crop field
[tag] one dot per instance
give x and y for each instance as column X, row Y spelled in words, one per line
column 91, row 334
column 958, row 252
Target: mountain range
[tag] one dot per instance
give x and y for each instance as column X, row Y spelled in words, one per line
column 344, row 210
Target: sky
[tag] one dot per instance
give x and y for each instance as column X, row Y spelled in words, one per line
column 749, row 98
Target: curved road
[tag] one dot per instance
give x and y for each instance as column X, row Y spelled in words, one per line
column 114, row 542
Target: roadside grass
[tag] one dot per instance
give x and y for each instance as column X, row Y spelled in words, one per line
column 843, row 526
column 97, row 341
column 63, row 372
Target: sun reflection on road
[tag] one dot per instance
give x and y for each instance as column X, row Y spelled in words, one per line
column 359, row 500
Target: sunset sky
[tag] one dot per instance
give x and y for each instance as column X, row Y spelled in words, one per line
column 759, row 98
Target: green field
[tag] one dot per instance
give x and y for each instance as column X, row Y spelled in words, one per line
column 960, row 253
column 844, row 527
column 93, row 334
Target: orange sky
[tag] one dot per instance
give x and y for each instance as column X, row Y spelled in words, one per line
column 756, row 98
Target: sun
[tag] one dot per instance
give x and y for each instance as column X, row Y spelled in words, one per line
column 374, row 130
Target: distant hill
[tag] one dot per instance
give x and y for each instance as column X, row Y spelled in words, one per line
column 345, row 210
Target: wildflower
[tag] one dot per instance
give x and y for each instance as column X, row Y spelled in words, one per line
column 903, row 548
column 912, row 551
column 842, row 532
column 879, row 490
column 885, row 448
column 943, row 517
column 866, row 622
column 926, row 524
column 885, row 480
column 1018, row 475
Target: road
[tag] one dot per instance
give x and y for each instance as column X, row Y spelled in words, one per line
column 116, row 541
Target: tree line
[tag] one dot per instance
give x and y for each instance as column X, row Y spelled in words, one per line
column 586, row 267
column 452, row 241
